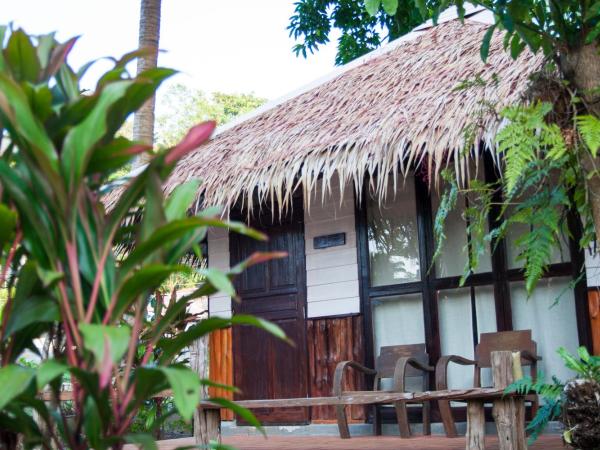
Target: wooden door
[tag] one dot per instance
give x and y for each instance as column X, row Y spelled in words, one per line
column 265, row 367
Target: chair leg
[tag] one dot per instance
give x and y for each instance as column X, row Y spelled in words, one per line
column 402, row 416
column 376, row 420
column 342, row 421
column 426, row 419
column 447, row 419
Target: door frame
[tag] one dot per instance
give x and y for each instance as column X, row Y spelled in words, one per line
column 296, row 208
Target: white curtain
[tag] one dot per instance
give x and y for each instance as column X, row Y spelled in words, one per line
column 550, row 314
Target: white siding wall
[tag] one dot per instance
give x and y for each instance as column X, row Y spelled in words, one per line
column 218, row 257
column 332, row 273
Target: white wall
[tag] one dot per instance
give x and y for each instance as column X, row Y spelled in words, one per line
column 332, row 273
column 218, row 257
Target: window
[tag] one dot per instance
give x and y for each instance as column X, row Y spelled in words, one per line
column 409, row 299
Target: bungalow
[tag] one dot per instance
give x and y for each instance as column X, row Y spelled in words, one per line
column 340, row 174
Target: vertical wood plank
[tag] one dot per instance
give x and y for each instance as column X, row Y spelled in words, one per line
column 509, row 413
column 209, row 426
column 475, row 426
column 221, row 366
column 329, row 341
column 594, row 308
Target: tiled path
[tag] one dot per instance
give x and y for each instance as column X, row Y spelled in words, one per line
column 358, row 443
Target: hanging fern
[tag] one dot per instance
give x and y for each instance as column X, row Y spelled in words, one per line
column 589, row 129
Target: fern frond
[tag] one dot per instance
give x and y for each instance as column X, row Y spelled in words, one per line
column 589, row 129
column 447, row 204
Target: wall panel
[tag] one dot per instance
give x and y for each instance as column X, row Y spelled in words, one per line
column 331, row 340
column 221, row 366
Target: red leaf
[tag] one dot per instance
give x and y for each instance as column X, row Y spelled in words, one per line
column 196, row 136
column 137, row 148
column 58, row 57
column 261, row 257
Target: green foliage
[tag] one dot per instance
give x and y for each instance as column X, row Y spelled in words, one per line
column 542, row 182
column 585, row 367
column 589, row 128
column 535, row 24
column 363, row 25
column 181, row 106
column 61, row 276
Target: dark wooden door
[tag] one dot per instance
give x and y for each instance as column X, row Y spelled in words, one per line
column 265, row 367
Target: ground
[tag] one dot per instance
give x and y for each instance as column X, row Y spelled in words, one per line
column 358, row 443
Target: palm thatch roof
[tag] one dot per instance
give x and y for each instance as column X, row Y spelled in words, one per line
column 399, row 107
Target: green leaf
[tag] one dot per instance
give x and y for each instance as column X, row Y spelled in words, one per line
column 172, row 346
column 219, row 280
column 8, row 223
column 15, row 106
column 390, row 6
column 144, row 440
column 3, row 29
column 372, row 6
column 21, row 57
column 244, row 413
column 146, row 279
column 14, row 381
column 181, row 199
column 48, row 371
column 589, row 128
column 80, row 140
column 114, row 155
column 185, row 384
column 95, row 338
column 30, row 310
column 484, row 50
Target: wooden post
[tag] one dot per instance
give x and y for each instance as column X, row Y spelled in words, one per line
column 475, row 425
column 207, row 426
column 509, row 413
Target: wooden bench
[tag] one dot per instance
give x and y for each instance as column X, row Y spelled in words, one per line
column 508, row 410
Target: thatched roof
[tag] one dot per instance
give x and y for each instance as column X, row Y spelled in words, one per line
column 398, row 107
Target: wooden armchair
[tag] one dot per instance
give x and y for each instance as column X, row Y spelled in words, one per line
column 488, row 342
column 397, row 363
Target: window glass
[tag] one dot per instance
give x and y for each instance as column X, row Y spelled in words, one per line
column 486, row 321
column 553, row 324
column 453, row 259
column 457, row 328
column 393, row 237
column 398, row 320
column 559, row 255
column 456, row 333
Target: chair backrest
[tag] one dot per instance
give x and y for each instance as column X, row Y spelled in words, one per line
column 389, row 355
column 503, row 341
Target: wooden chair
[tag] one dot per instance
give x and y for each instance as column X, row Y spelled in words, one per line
column 488, row 342
column 397, row 362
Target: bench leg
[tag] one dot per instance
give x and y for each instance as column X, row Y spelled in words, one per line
column 426, row 418
column 402, row 417
column 475, row 426
column 342, row 421
column 207, row 426
column 509, row 413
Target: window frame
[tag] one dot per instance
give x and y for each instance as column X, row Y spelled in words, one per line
column 499, row 278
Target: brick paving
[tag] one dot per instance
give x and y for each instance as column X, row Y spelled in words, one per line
column 358, row 443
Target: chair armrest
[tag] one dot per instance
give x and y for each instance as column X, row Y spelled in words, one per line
column 441, row 369
column 400, row 371
column 530, row 356
column 338, row 377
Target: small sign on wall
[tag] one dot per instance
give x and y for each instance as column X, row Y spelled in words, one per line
column 329, row 240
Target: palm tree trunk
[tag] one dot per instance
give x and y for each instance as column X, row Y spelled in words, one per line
column 143, row 124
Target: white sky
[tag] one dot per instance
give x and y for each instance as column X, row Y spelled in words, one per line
column 223, row 45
